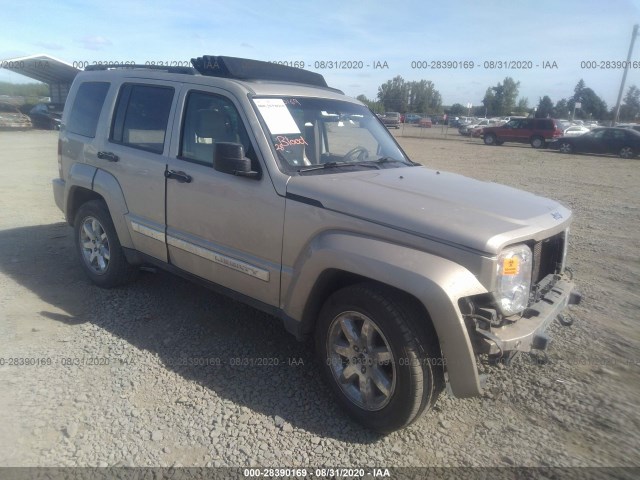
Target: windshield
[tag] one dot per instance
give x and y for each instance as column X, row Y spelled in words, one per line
column 319, row 135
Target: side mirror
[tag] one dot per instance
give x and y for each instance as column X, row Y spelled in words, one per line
column 229, row 158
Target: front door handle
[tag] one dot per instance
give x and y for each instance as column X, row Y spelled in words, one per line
column 179, row 176
column 112, row 157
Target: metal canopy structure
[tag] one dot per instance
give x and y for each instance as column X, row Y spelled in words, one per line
column 56, row 73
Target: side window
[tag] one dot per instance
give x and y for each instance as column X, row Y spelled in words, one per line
column 208, row 119
column 141, row 116
column 619, row 134
column 86, row 108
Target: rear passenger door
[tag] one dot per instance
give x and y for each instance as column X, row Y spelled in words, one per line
column 224, row 228
column 136, row 154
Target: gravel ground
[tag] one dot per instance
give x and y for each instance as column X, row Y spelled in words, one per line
column 117, row 383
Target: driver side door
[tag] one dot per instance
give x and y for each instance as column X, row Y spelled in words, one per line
column 223, row 228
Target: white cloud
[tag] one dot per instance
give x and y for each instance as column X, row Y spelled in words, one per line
column 49, row 45
column 94, row 42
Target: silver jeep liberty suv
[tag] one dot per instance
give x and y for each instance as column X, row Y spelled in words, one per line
column 263, row 183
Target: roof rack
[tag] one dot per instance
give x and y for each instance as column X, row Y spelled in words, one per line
column 168, row 69
column 246, row 69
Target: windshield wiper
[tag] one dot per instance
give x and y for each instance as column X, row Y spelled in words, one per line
column 383, row 160
column 329, row 165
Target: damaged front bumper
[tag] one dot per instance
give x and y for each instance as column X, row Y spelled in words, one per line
column 526, row 333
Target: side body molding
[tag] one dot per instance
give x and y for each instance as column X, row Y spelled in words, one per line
column 436, row 282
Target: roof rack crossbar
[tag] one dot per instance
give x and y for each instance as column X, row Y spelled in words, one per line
column 168, row 69
column 246, row 69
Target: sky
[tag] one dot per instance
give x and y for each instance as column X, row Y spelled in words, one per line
column 385, row 39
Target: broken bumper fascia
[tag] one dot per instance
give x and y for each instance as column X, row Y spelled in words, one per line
column 527, row 333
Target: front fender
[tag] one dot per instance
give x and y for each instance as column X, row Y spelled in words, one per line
column 436, row 282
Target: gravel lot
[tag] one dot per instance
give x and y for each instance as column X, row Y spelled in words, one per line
column 121, row 387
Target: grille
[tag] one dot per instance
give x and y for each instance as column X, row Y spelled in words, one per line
column 547, row 257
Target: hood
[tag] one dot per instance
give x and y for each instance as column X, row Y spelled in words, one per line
column 441, row 206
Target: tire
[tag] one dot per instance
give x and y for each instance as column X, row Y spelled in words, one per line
column 537, row 142
column 565, row 147
column 106, row 265
column 490, row 139
column 627, row 152
column 405, row 376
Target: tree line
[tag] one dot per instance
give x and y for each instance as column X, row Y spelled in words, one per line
column 422, row 97
column 24, row 89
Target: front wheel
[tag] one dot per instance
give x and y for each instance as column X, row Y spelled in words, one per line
column 97, row 243
column 379, row 355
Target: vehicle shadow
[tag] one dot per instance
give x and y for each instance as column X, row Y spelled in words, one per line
column 261, row 366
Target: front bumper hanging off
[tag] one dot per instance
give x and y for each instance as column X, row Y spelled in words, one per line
column 527, row 333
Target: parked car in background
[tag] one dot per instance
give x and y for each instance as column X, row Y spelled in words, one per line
column 46, row 115
column 475, row 129
column 536, row 131
column 466, row 125
column 391, row 119
column 425, row 122
column 508, row 119
column 412, row 118
column 623, row 142
column 12, row 119
column 453, row 122
column 575, row 131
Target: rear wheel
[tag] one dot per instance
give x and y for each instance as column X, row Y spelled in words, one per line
column 100, row 252
column 627, row 152
column 565, row 147
column 378, row 355
column 490, row 139
column 537, row 142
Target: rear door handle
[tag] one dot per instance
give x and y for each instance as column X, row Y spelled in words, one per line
column 112, row 157
column 179, row 176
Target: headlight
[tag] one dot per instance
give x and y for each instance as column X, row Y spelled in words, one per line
column 514, row 279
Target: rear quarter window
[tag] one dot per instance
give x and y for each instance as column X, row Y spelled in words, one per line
column 85, row 112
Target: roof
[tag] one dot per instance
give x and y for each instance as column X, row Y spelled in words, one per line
column 239, row 86
column 42, row 68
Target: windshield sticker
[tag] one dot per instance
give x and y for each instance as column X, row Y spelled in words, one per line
column 283, row 141
column 277, row 116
